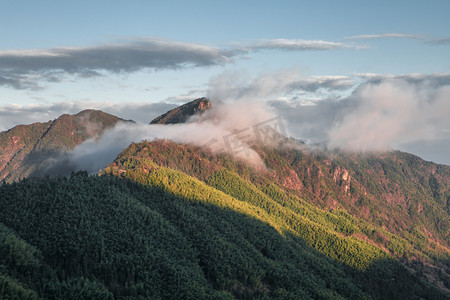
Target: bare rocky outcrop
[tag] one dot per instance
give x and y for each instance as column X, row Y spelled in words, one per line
column 182, row 113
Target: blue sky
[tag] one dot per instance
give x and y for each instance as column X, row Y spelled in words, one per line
column 138, row 58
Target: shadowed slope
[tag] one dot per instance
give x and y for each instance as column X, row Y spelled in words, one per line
column 101, row 237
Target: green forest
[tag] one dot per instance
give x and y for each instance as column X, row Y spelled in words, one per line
column 158, row 233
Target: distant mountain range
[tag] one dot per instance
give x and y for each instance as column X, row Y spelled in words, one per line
column 170, row 220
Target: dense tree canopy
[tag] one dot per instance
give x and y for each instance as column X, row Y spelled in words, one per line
column 162, row 234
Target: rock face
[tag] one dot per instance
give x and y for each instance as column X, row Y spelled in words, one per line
column 24, row 147
column 182, row 113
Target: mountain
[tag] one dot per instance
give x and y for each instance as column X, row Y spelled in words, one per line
column 395, row 201
column 182, row 113
column 24, row 147
column 216, row 230
column 166, row 220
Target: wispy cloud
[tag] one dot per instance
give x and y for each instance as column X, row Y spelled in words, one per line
column 27, row 69
column 154, row 53
column 429, row 81
column 442, row 41
column 294, row 45
column 384, row 36
column 19, row 81
column 24, row 68
column 271, row 85
column 425, row 39
column 314, row 83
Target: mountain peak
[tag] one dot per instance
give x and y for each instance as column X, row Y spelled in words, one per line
column 24, row 147
column 182, row 113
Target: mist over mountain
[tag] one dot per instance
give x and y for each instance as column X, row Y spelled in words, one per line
column 224, row 127
column 240, row 211
column 27, row 149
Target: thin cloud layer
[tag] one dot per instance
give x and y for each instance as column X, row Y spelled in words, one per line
column 25, row 69
column 443, row 41
column 428, row 82
column 18, row 81
column 296, row 45
column 385, row 35
column 315, row 83
column 232, row 86
column 425, row 39
column 154, row 53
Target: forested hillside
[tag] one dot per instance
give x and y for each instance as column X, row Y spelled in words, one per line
column 337, row 183
column 174, row 237
column 311, row 195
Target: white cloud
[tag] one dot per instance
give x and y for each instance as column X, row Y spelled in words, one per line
column 295, row 45
column 215, row 129
column 385, row 35
column 26, row 69
column 272, row 85
column 314, row 83
column 385, row 111
column 391, row 113
column 242, row 86
column 427, row 81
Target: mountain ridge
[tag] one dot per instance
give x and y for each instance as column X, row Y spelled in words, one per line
column 24, row 146
column 415, row 232
column 182, row 113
